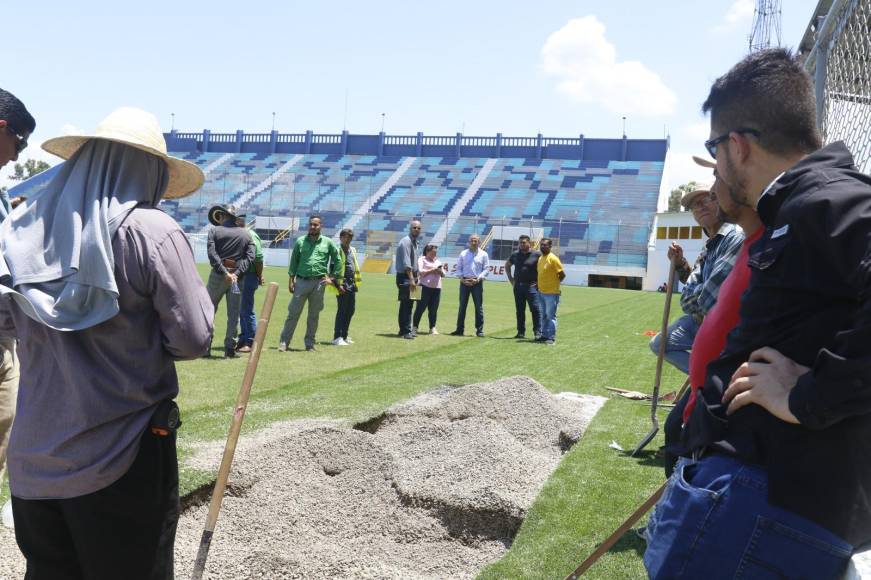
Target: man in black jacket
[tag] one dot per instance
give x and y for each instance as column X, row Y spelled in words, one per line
column 779, row 481
column 231, row 254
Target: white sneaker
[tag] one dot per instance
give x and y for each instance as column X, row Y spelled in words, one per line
column 433, row 330
column 349, row 341
column 6, row 515
column 282, row 347
column 340, row 342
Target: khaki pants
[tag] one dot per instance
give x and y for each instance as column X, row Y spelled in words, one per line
column 8, row 396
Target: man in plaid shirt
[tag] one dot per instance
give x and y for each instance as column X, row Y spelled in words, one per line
column 702, row 283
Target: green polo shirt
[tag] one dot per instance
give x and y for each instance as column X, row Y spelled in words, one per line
column 258, row 245
column 313, row 259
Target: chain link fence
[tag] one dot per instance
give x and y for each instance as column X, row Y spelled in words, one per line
column 840, row 63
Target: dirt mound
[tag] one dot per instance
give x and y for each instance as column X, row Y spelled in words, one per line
column 435, row 487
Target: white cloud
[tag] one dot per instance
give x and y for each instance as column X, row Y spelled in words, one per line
column 738, row 14
column 587, row 69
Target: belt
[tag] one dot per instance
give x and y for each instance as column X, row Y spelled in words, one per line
column 309, row 277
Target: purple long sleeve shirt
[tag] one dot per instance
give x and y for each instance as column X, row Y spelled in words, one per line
column 86, row 397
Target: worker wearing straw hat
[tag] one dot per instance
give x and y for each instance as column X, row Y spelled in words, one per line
column 101, row 289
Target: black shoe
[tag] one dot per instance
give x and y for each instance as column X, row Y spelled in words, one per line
column 540, row 339
column 480, row 334
column 519, row 335
column 229, row 353
column 309, row 347
column 457, row 333
column 409, row 336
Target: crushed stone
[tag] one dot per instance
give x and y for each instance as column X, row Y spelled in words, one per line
column 435, row 487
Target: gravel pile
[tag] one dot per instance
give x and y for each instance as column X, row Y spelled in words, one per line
column 436, row 487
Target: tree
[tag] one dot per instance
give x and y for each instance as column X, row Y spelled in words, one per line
column 679, row 192
column 30, row 168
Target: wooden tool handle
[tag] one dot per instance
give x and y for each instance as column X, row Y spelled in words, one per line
column 235, row 429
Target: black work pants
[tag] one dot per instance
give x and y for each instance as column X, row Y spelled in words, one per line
column 126, row 530
column 405, row 304
column 346, row 304
column 525, row 293
column 429, row 301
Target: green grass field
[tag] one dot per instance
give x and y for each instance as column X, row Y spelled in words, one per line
column 600, row 343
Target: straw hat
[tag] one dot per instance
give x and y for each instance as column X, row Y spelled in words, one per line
column 704, row 162
column 139, row 129
column 687, row 199
column 217, row 210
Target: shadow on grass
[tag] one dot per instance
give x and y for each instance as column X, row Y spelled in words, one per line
column 646, row 457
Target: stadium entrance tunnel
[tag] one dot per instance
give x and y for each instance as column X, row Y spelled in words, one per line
column 436, row 486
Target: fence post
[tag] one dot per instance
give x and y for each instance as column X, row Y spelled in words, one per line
column 459, row 142
column 381, row 144
column 273, row 142
column 344, row 142
column 498, row 145
column 538, row 147
column 581, row 148
column 308, row 142
column 418, row 146
column 239, row 135
column 820, row 83
column 207, row 135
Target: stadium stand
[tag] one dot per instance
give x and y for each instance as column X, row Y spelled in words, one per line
column 596, row 197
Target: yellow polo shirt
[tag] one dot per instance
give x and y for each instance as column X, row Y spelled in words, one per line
column 549, row 267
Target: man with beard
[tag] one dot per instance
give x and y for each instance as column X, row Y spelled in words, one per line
column 779, row 476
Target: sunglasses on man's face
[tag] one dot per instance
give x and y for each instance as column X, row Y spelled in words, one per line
column 711, row 144
column 20, row 140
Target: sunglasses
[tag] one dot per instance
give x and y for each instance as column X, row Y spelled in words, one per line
column 20, row 141
column 711, row 144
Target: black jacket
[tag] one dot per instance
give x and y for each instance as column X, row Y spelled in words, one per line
column 809, row 298
column 230, row 243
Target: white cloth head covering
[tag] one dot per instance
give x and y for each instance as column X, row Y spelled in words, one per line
column 57, row 262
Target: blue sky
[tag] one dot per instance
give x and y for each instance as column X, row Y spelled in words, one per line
column 561, row 68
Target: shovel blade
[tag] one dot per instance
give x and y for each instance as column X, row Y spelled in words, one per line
column 644, row 442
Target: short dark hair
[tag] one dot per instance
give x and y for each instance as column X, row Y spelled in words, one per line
column 429, row 247
column 346, row 232
column 543, row 240
column 315, row 216
column 523, row 237
column 13, row 111
column 768, row 91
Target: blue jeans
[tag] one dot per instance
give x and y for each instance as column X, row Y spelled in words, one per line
column 714, row 521
column 429, row 302
column 477, row 293
column 548, row 304
column 247, row 318
column 681, row 335
column 524, row 294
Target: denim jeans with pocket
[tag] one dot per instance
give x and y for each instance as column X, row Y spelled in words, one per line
column 714, row 521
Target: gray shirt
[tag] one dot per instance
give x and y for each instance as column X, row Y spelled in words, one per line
column 85, row 397
column 407, row 255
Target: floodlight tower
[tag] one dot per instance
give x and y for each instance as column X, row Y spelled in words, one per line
column 766, row 25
